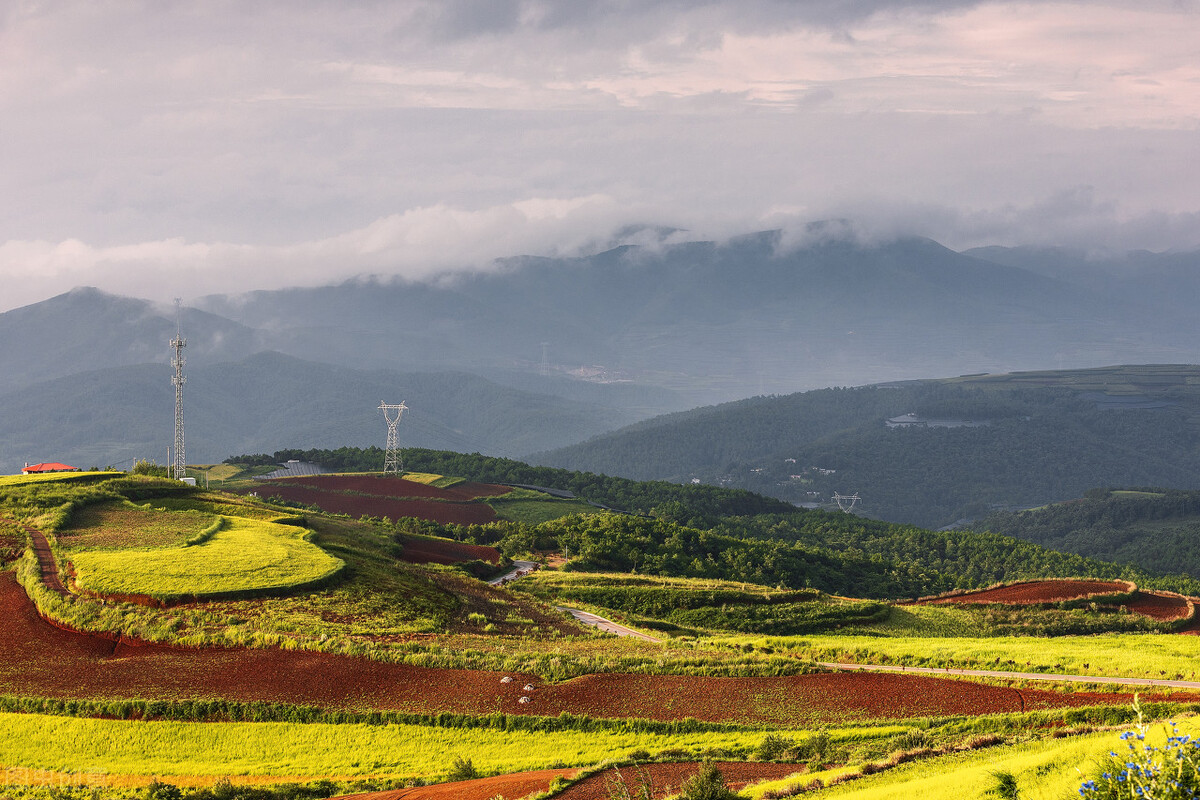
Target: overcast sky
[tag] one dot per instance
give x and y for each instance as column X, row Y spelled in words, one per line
column 158, row 148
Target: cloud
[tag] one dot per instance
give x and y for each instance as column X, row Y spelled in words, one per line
column 161, row 145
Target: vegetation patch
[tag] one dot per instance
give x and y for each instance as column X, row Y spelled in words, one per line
column 244, row 557
column 703, row 604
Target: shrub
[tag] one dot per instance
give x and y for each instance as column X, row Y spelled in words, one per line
column 707, row 784
column 772, row 747
column 462, row 770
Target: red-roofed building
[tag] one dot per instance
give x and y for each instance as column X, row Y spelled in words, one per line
column 49, row 466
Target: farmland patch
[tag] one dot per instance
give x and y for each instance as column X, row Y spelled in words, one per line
column 244, row 557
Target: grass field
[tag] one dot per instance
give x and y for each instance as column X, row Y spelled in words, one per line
column 55, row 477
column 69, row 744
column 123, row 525
column 1044, row 770
column 536, row 510
column 243, row 557
column 1123, row 655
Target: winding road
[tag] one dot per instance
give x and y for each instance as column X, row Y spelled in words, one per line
column 606, row 625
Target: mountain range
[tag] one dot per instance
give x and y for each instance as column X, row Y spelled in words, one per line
column 567, row 348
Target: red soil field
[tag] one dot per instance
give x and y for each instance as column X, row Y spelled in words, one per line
column 667, row 778
column 518, row 784
column 431, row 551
column 390, row 486
column 1159, row 605
column 41, row 660
column 358, row 505
column 1050, row 591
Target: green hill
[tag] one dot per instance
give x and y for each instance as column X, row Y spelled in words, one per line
column 928, row 452
column 1152, row 529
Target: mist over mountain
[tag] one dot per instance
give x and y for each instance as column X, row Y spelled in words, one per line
column 593, row 342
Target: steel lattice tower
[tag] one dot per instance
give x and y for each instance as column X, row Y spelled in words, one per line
column 391, row 454
column 179, row 470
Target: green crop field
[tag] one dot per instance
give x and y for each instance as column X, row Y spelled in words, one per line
column 244, row 556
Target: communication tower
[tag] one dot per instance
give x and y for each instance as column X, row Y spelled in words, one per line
column 391, row 454
column 179, row 470
column 544, row 367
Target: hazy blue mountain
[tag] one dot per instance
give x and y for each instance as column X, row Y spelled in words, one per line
column 86, row 329
column 707, row 321
column 270, row 401
column 725, row 320
column 970, row 444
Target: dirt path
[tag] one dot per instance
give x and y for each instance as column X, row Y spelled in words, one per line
column 1022, row 676
column 45, row 556
column 606, row 625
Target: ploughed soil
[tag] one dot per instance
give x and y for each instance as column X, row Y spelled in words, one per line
column 42, row 660
column 1050, row 591
column 1161, row 606
column 665, row 779
column 1158, row 605
column 518, row 784
column 387, row 496
column 442, row 551
column 391, row 486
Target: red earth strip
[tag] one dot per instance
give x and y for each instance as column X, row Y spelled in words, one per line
column 1035, row 592
column 41, row 660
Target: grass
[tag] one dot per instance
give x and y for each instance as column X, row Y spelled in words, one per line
column 427, row 478
column 536, row 510
column 690, row 605
column 246, row 556
column 55, row 477
column 1122, row 655
column 1044, row 770
column 80, row 745
column 123, row 524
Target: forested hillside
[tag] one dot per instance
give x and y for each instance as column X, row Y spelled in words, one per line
column 1155, row 530
column 953, row 449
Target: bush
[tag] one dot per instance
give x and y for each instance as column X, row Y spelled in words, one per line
column 707, row 784
column 773, row 747
column 462, row 770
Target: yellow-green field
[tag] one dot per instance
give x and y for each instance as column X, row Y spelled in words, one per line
column 1044, row 770
column 1108, row 655
column 51, row 477
column 70, row 744
column 244, row 556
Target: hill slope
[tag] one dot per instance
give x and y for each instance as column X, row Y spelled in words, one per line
column 970, row 444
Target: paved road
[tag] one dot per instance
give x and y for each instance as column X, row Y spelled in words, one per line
column 1027, row 676
column 603, row 624
column 519, row 568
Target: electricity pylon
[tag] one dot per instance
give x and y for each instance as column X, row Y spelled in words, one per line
column 391, row 453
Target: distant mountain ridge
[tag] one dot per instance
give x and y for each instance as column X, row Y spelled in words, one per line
column 635, row 331
column 1044, row 437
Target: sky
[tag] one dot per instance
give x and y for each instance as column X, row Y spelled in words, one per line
column 159, row 148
